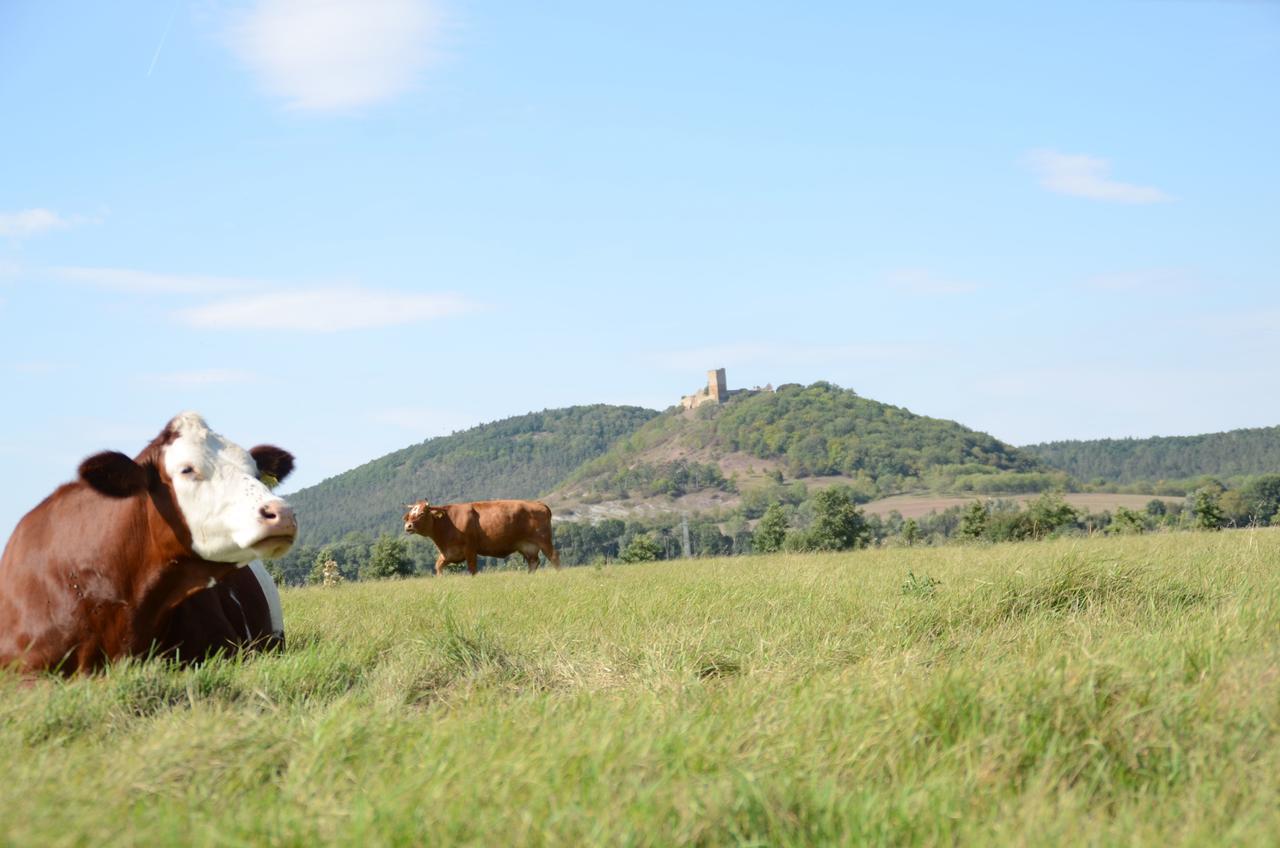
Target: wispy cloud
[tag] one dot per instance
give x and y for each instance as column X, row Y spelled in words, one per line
column 332, row 55
column 207, row 377
column 921, row 281
column 771, row 353
column 1078, row 175
column 33, row 222
column 324, row 310
column 147, row 282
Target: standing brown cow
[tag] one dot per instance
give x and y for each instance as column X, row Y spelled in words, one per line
column 463, row 531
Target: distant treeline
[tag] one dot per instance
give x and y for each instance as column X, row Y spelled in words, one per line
column 799, row 521
column 1165, row 458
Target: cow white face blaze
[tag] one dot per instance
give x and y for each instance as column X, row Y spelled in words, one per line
column 230, row 512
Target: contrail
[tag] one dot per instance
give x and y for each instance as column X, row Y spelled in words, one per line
column 160, row 46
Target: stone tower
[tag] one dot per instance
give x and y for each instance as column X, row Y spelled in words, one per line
column 717, row 388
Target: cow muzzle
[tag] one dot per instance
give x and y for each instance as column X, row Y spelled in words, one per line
column 277, row 516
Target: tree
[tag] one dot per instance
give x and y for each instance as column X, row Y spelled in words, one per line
column 1207, row 512
column 389, row 558
column 642, row 548
column 771, row 531
column 910, row 531
column 1128, row 521
column 1048, row 513
column 973, row 523
column 838, row 525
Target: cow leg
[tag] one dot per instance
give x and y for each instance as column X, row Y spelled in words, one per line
column 552, row 555
column 532, row 560
column 439, row 565
column 471, row 563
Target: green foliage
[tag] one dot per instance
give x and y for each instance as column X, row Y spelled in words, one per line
column 973, row 524
column 771, row 531
column 910, row 531
column 817, row 430
column 1259, row 500
column 1047, row 514
column 1207, row 511
column 1237, row 452
column 673, row 478
column 388, row 558
column 824, row 429
column 641, row 549
column 1128, row 521
column 837, row 525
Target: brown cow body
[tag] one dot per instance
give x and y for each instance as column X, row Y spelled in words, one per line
column 107, row 566
column 463, row 531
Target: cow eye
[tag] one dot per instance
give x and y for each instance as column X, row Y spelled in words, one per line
column 189, row 470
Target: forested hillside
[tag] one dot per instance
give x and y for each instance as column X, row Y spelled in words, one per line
column 519, row 457
column 1231, row 454
column 802, row 431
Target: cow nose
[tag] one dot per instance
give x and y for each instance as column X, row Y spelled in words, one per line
column 408, row 527
column 278, row 515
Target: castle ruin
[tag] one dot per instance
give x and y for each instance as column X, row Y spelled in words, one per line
column 716, row 391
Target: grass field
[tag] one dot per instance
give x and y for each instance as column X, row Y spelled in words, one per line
column 1106, row 691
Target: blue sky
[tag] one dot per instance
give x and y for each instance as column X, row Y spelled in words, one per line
column 345, row 226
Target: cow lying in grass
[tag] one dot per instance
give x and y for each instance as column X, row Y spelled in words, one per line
column 463, row 531
column 147, row 555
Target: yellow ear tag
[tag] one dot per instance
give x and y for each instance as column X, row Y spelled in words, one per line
column 269, row 479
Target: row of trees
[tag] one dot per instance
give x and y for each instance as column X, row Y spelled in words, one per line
column 828, row 520
column 1237, row 452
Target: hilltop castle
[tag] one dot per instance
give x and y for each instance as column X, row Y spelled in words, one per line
column 716, row 391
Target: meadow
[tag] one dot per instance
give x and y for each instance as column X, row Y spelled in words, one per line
column 1102, row 690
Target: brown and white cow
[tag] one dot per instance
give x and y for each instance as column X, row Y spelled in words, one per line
column 148, row 554
column 463, row 531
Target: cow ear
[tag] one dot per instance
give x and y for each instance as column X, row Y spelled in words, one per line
column 437, row 513
column 113, row 474
column 274, row 464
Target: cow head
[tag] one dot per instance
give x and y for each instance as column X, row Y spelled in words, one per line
column 221, row 491
column 419, row 517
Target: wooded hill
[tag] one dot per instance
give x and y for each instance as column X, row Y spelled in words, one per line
column 519, row 457
column 817, row 431
column 592, row 454
column 1232, row 454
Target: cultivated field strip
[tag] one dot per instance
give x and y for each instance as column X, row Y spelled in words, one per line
column 1106, row 691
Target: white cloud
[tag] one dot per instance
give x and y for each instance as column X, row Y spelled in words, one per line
column 207, row 377
column 31, row 222
column 1088, row 176
column 332, row 55
column 770, row 353
column 920, row 281
column 147, row 282
column 324, row 311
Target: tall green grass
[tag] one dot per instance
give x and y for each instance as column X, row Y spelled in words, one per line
column 1109, row 691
